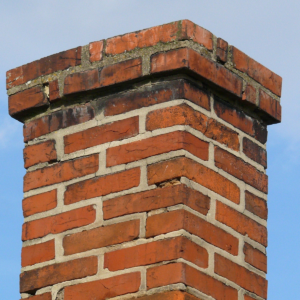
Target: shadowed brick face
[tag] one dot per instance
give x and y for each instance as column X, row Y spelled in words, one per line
column 145, row 163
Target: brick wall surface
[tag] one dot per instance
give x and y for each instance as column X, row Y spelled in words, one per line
column 155, row 189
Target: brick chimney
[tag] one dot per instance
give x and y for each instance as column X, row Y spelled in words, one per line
column 146, row 168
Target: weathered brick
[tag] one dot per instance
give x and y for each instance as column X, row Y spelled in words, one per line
column 32, row 280
column 222, row 49
column 120, row 72
column 241, row 170
column 154, row 252
column 101, row 237
column 39, row 203
column 98, row 135
column 53, row 91
column 58, row 120
column 24, row 100
column 58, row 223
column 181, row 219
column 241, row 276
column 255, row 152
column 155, row 199
column 185, row 115
column 104, row 288
column 241, row 223
column 256, row 205
column 39, row 153
column 246, row 297
column 155, row 94
column 14, row 77
column 45, row 296
column 61, row 172
column 255, row 70
column 255, row 258
column 269, row 105
column 37, row 253
column 96, row 51
column 141, row 39
column 249, row 95
column 101, row 186
column 171, row 295
column 157, row 145
column 111, row 74
column 81, row 81
column 239, row 119
column 186, row 167
column 44, row 66
column 60, row 61
column 186, row 58
column 183, row 273
column 190, row 31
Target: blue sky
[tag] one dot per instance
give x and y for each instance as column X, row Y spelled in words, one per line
column 268, row 31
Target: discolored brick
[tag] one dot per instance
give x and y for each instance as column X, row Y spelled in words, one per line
column 155, row 199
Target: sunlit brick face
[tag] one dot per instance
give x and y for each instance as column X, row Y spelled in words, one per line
column 145, row 159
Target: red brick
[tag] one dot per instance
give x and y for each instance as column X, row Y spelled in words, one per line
column 155, row 94
column 185, row 115
column 58, row 120
column 255, row 258
column 44, row 66
column 181, row 219
column 269, row 105
column 157, row 145
column 241, row 276
column 185, row 167
column 182, row 273
column 239, row 119
column 96, row 51
column 222, row 49
column 241, row 170
column 81, row 81
column 45, row 296
column 32, row 280
column 58, row 223
column 101, row 237
column 14, row 77
column 120, row 72
column 191, row 31
column 39, row 203
column 101, row 186
column 104, row 288
column 60, row 61
column 241, row 223
column 61, row 172
column 249, row 95
column 53, row 91
column 38, row 253
column 256, row 205
column 98, row 135
column 111, row 74
column 30, row 98
column 255, row 152
column 154, row 252
column 39, row 153
column 171, row 295
column 246, row 297
column 255, row 70
column 186, row 58
column 155, row 199
column 141, row 39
